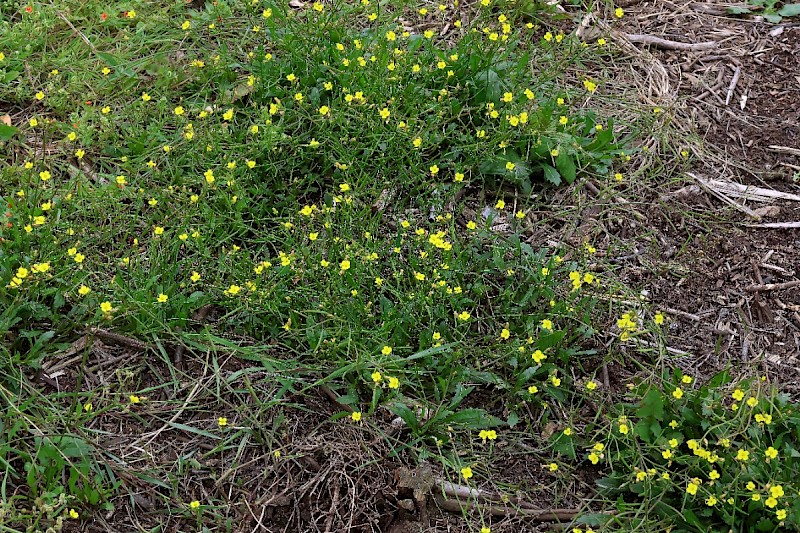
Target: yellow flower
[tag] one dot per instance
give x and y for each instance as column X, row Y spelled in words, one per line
column 686, row 380
column 711, row 501
column 619, row 13
column 752, row 401
column 356, row 416
column 780, row 514
column 384, row 113
column 233, row 290
column 158, row 230
column 533, row 389
column 195, row 277
column 771, row 502
column 771, row 453
column 691, row 488
column 83, row 290
column 162, row 298
column 194, row 504
column 743, row 455
column 134, row 399
column 466, row 472
column 538, row 356
column 386, row 350
column 546, row 325
column 623, row 428
column 659, row 319
column 105, row 307
column 178, row 111
column 73, row 514
column 552, row 467
column 222, row 421
column 464, row 316
column 677, row 393
column 555, row 380
column 394, row 383
column 776, row 491
column 227, row 115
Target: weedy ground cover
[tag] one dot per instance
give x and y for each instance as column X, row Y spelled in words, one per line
column 254, row 202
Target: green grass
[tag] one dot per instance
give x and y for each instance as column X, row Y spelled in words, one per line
column 267, row 202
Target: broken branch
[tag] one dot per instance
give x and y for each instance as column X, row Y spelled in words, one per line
column 773, row 286
column 670, row 45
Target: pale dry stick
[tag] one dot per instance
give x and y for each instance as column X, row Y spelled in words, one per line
column 704, row 184
column 670, row 45
column 775, row 225
column 773, row 286
column 458, row 506
column 690, row 316
column 673, row 351
column 784, row 150
column 334, row 502
column 75, row 30
column 732, row 87
column 454, row 490
column 776, row 268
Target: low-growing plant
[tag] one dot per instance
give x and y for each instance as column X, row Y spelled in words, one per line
column 718, row 457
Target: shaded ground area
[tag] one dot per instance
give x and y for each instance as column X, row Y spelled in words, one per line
column 291, row 466
column 697, row 252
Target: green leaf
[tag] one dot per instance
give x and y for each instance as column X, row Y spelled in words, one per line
column 734, row 10
column 6, row 132
column 10, row 76
column 407, row 415
column 789, row 10
column 488, row 86
column 652, row 405
column 470, row 418
column 772, row 17
column 513, row 419
column 190, row 429
column 108, row 58
column 692, row 519
column 566, row 166
column 551, row 175
column 608, row 483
